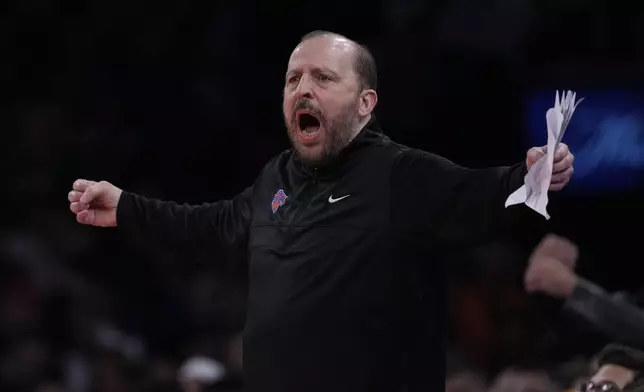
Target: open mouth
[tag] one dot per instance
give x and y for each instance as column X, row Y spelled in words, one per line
column 308, row 123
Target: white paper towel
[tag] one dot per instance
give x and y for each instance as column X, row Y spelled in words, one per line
column 534, row 192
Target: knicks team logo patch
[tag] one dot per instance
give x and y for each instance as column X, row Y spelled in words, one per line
column 278, row 200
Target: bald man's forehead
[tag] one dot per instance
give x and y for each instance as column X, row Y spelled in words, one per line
column 332, row 52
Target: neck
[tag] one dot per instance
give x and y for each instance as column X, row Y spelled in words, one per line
column 359, row 126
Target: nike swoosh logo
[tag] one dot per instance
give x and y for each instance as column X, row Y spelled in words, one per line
column 332, row 200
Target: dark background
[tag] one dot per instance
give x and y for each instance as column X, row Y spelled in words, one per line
column 182, row 101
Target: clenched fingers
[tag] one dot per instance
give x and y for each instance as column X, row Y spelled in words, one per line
column 74, row 196
column 556, row 247
column 81, row 185
column 532, row 280
column 558, row 186
column 77, row 207
column 93, row 192
column 86, row 217
column 562, row 177
column 561, row 152
column 563, row 164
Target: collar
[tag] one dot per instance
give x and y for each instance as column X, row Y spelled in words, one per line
column 370, row 134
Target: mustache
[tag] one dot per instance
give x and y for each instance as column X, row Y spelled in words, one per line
column 306, row 104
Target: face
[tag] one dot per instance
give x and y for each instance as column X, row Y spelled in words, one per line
column 324, row 106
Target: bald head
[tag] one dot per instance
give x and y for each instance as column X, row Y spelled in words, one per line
column 364, row 65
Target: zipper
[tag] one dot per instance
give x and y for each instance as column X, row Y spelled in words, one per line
column 312, row 185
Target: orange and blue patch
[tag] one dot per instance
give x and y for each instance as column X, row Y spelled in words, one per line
column 278, row 200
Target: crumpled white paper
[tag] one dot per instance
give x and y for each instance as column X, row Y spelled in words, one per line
column 534, row 192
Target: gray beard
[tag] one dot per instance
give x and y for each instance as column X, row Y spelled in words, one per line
column 338, row 137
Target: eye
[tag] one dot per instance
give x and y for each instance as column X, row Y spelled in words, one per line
column 293, row 79
column 324, row 78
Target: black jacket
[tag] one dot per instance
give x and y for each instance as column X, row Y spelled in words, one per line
column 615, row 316
column 346, row 288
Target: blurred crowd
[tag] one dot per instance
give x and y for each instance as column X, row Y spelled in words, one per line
column 89, row 310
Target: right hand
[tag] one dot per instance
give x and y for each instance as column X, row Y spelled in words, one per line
column 94, row 203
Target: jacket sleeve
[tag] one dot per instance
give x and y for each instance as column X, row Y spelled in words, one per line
column 613, row 316
column 187, row 227
column 457, row 204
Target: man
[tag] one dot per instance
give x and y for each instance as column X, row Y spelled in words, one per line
column 343, row 233
column 551, row 272
column 619, row 369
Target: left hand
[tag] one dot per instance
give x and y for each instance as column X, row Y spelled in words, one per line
column 562, row 168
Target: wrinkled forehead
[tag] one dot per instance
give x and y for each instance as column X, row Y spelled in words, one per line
column 335, row 54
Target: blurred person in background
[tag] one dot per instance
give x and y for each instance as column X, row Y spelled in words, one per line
column 551, row 272
column 573, row 372
column 462, row 376
column 465, row 381
column 523, row 380
column 330, row 307
column 200, row 374
column 619, row 368
column 492, row 315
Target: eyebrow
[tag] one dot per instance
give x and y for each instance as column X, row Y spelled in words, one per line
column 330, row 71
column 316, row 70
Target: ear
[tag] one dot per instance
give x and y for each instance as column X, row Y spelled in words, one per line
column 368, row 101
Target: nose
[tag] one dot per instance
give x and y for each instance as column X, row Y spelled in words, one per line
column 305, row 87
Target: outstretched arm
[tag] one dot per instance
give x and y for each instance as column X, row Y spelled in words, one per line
column 183, row 226
column 455, row 204
column 612, row 315
column 225, row 222
column 550, row 272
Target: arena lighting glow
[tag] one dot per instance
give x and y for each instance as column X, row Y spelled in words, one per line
column 606, row 136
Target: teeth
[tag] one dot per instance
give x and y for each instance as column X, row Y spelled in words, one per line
column 310, row 130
